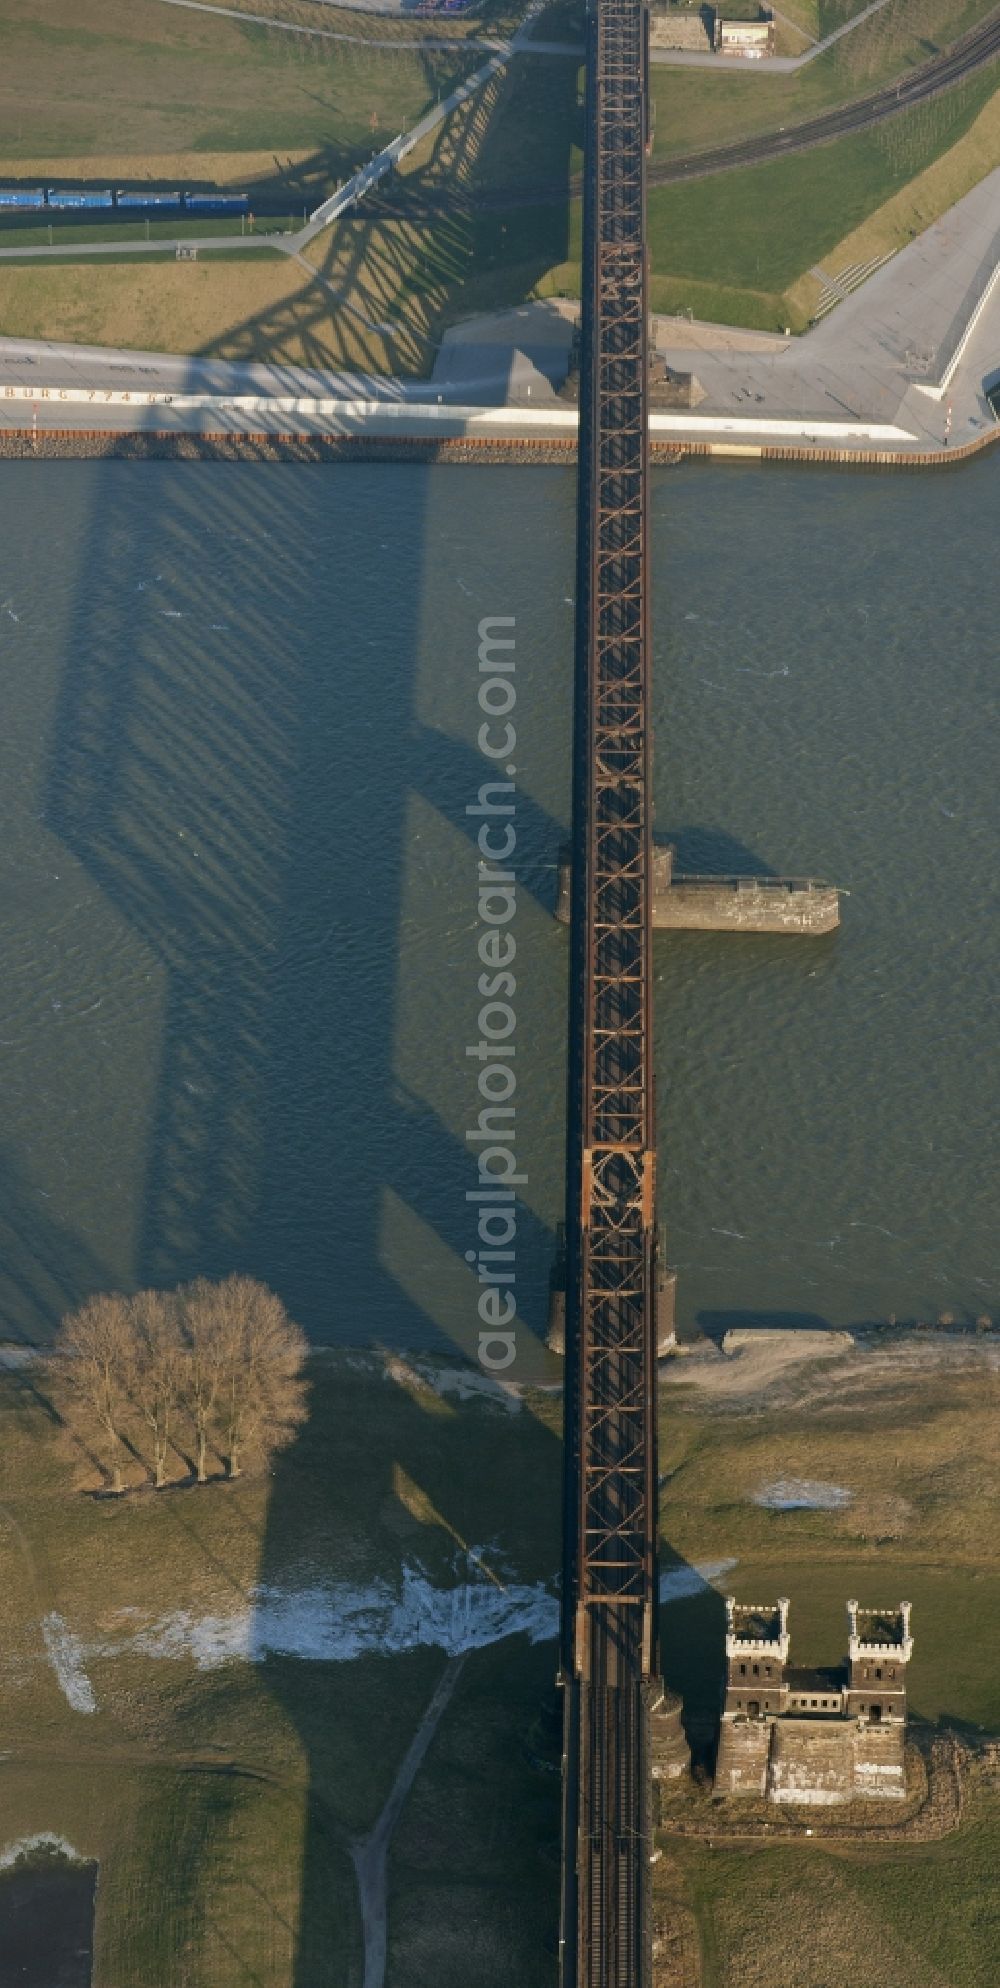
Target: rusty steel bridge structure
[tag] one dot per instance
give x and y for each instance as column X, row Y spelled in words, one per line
column 609, row 1655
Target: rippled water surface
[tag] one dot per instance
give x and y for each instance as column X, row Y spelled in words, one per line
column 238, row 886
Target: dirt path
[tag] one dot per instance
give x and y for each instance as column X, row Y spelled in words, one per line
column 370, row 1854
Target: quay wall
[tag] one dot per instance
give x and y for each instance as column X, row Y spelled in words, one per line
column 145, row 445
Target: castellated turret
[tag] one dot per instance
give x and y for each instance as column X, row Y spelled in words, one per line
column 756, row 1655
column 879, row 1648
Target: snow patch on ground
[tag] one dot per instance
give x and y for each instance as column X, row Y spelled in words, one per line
column 802, row 1494
column 680, row 1583
column 65, row 1654
column 464, row 1382
column 29, row 1846
column 338, row 1622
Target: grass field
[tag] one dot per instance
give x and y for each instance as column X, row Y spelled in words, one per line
column 822, row 17
column 130, row 89
column 730, row 247
column 735, row 247
column 928, row 195
column 78, row 234
column 492, row 19
column 220, row 1800
column 757, row 232
column 808, row 1916
column 220, row 1796
column 922, row 1471
column 252, row 304
column 919, row 1458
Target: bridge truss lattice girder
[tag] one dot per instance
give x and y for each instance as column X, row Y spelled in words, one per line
column 609, row 1640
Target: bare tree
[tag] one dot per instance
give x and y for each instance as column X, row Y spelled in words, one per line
column 91, row 1374
column 225, row 1357
column 156, row 1369
column 204, row 1369
column 259, row 1352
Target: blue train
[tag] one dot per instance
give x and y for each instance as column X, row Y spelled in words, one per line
column 63, row 200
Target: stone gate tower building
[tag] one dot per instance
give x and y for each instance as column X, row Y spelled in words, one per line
column 814, row 1735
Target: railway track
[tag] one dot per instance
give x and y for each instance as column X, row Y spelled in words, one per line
column 609, row 1652
column 921, row 85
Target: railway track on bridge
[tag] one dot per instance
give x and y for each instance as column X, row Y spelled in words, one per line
column 609, row 1643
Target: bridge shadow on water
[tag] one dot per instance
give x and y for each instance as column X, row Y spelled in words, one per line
column 703, row 850
column 239, row 764
column 45, row 1268
column 238, row 760
column 242, row 789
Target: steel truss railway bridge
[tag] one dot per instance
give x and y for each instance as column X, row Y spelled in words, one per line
column 609, row 1657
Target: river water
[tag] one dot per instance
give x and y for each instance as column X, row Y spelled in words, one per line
column 238, row 885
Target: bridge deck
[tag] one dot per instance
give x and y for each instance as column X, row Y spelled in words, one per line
column 609, row 1637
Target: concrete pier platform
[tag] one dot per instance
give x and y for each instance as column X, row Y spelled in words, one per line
column 791, row 905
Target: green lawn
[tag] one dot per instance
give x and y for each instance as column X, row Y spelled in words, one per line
column 157, row 258
column 751, row 234
column 731, row 245
column 487, row 19
column 822, row 17
column 537, row 133
column 426, row 252
column 137, row 89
